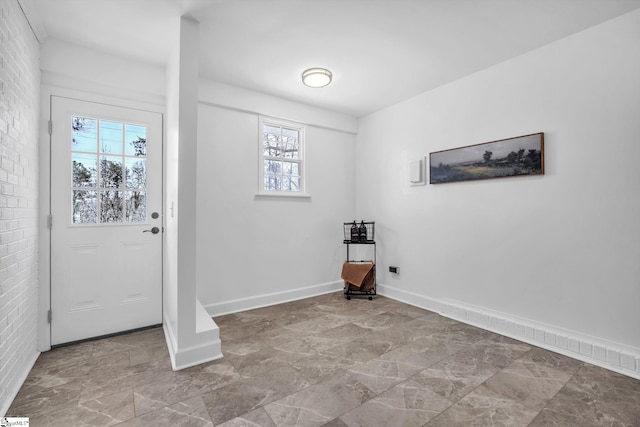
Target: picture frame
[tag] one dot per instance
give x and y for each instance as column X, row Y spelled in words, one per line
column 511, row 157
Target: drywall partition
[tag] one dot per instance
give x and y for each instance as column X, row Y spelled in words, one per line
column 255, row 251
column 192, row 336
column 19, row 115
column 551, row 259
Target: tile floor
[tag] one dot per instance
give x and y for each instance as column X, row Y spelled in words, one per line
column 332, row 362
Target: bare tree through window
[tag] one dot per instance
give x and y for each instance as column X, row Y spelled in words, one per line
column 109, row 175
column 282, row 157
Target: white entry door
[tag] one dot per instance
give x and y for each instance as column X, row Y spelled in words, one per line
column 106, row 212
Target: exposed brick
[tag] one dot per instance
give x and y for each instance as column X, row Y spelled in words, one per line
column 19, row 100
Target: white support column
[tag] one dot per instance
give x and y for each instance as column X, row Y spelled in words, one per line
column 192, row 336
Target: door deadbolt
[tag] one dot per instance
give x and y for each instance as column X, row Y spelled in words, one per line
column 154, row 230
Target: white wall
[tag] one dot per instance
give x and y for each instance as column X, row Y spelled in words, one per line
column 19, row 108
column 69, row 65
column 553, row 259
column 255, row 251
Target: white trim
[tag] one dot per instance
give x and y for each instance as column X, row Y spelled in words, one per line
column 17, row 385
column 283, row 194
column 265, row 300
column 207, row 350
column 169, row 336
column 234, row 98
column 604, row 353
column 258, row 113
column 44, row 233
column 196, row 355
column 409, row 298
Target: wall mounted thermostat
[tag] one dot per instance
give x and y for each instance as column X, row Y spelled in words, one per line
column 418, row 172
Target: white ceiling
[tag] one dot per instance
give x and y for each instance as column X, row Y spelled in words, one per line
column 380, row 51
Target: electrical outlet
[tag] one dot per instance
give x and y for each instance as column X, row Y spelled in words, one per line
column 395, row 270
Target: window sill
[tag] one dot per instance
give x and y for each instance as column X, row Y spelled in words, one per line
column 282, row 194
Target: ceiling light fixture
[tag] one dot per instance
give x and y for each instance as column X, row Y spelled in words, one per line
column 316, row 77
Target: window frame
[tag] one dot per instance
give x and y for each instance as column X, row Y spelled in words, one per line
column 301, row 161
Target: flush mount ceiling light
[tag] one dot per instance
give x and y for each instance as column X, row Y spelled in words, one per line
column 316, row 77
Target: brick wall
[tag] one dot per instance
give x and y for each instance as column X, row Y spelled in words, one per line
column 19, row 108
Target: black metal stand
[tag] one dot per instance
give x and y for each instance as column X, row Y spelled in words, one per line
column 368, row 241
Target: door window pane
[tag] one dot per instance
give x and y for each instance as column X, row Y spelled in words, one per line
column 110, row 172
column 84, row 135
column 136, row 206
column 135, row 140
column 111, row 137
column 136, row 173
column 84, row 207
column 111, row 206
column 107, row 158
column 85, row 169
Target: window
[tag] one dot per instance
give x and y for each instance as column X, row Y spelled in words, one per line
column 281, row 158
column 108, row 181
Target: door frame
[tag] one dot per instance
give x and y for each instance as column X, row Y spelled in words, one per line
column 44, row 232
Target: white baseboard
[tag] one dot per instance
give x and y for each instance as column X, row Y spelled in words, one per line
column 207, row 347
column 606, row 354
column 265, row 300
column 196, row 355
column 13, row 392
column 170, row 337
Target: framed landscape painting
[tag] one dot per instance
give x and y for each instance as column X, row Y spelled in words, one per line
column 519, row 156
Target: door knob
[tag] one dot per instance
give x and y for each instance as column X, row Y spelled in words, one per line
column 154, row 230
